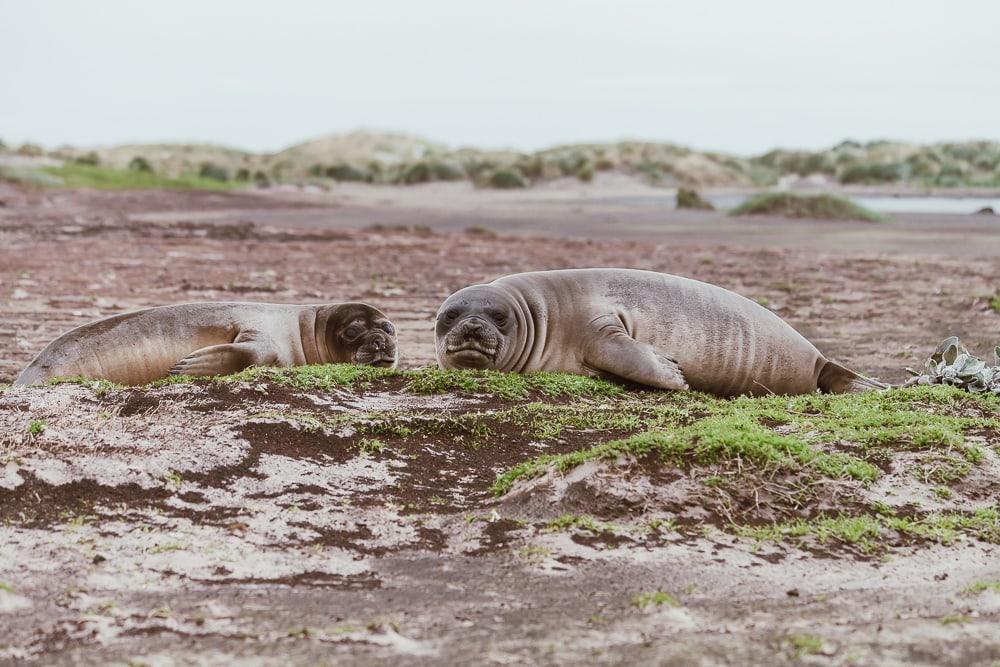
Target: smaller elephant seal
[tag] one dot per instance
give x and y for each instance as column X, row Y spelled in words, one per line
column 215, row 339
column 650, row 328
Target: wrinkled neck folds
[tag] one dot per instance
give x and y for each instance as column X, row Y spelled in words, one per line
column 322, row 334
column 521, row 348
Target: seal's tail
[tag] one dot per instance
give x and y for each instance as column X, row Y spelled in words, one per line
column 835, row 379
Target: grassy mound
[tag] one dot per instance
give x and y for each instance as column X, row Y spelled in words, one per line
column 860, row 473
column 812, row 207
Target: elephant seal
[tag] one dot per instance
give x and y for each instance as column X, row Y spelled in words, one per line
column 650, row 328
column 215, row 339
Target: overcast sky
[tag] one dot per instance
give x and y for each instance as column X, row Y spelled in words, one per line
column 742, row 76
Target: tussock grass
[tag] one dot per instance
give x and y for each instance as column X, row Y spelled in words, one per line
column 812, row 207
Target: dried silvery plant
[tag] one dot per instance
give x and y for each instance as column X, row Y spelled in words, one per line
column 952, row 364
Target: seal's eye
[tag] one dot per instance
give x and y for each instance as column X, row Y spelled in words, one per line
column 386, row 327
column 450, row 316
column 499, row 317
column 353, row 331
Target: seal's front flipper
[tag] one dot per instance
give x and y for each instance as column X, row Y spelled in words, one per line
column 835, row 379
column 224, row 359
column 624, row 357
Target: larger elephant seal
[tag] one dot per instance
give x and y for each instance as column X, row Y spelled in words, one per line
column 215, row 339
column 650, row 328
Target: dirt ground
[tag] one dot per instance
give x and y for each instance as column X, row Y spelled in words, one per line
column 221, row 537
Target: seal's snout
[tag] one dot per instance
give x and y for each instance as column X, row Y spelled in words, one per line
column 473, row 343
column 379, row 349
column 472, row 328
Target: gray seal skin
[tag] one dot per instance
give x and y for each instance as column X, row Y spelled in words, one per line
column 215, row 339
column 653, row 329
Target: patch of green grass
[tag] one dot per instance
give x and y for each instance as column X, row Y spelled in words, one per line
column 978, row 587
column 173, row 478
column 955, row 619
column 36, row 427
column 104, row 178
column 995, row 303
column 318, row 376
column 714, row 439
column 813, row 207
column 370, row 446
column 167, row 548
column 655, row 599
column 711, row 431
column 508, row 385
column 805, row 644
column 867, row 531
column 6, row 587
column 99, row 387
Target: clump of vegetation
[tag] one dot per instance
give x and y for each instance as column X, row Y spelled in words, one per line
column 995, row 303
column 212, row 171
column 90, row 158
column 140, row 164
column 655, row 599
column 804, row 644
column 813, row 207
column 36, row 427
column 346, row 172
column 952, row 364
column 689, row 198
column 506, row 179
column 978, row 587
column 370, row 446
column 867, row 531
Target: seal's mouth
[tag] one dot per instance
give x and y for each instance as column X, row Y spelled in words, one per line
column 472, row 347
column 380, row 358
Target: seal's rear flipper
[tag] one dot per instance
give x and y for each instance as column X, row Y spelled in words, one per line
column 835, row 379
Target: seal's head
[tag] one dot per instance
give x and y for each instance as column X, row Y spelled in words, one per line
column 360, row 334
column 476, row 328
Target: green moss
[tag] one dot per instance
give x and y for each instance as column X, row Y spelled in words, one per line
column 868, row 531
column 508, row 385
column 711, row 440
column 319, row 376
column 805, row 644
column 99, row 387
column 995, row 303
column 978, row 587
column 694, row 429
column 370, row 446
column 955, row 619
column 36, row 427
column 655, row 599
column 814, row 207
column 6, row 587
